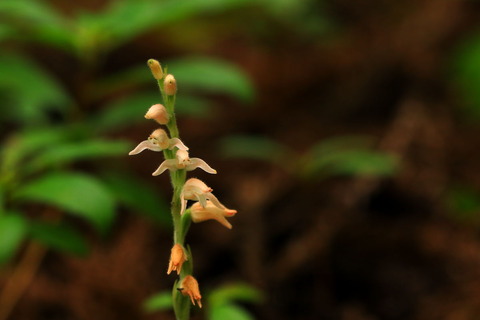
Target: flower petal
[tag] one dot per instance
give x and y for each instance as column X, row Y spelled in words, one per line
column 169, row 164
column 146, row 144
column 199, row 163
column 175, row 142
column 214, row 200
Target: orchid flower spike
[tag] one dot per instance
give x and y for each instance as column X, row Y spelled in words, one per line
column 158, row 141
column 177, row 258
column 183, row 161
column 211, row 212
column 195, row 189
column 158, row 113
column 189, row 287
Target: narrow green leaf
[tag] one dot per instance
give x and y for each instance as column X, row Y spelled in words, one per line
column 76, row 193
column 466, row 74
column 125, row 112
column 75, row 151
column 13, row 229
column 230, row 312
column 212, row 75
column 235, row 292
column 464, row 204
column 38, row 21
column 160, row 301
column 350, row 156
column 140, row 197
column 59, row 237
column 254, row 147
column 30, row 90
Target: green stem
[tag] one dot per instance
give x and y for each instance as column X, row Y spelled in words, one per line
column 181, row 304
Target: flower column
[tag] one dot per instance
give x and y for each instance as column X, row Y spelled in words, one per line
column 178, row 162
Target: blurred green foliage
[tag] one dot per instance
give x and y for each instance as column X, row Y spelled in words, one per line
column 221, row 303
column 463, row 203
column 53, row 134
column 465, row 74
column 336, row 156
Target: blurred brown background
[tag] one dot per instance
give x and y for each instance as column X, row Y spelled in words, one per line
column 337, row 243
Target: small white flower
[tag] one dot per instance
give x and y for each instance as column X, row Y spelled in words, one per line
column 183, row 161
column 195, row 189
column 158, row 141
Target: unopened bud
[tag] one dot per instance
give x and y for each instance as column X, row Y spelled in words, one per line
column 189, row 287
column 156, row 69
column 177, row 258
column 158, row 113
column 170, row 85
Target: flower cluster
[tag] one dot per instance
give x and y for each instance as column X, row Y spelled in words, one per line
column 177, row 161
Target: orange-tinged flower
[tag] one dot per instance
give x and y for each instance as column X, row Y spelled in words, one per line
column 158, row 113
column 170, row 85
column 177, row 258
column 189, row 287
column 211, row 212
column 195, row 189
column 158, row 141
column 183, row 161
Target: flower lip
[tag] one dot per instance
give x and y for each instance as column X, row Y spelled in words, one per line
column 211, row 212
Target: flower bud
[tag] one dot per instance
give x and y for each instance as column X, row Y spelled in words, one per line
column 158, row 113
column 170, row 85
column 189, row 287
column 156, row 69
column 177, row 258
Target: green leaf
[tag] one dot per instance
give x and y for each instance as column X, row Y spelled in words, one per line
column 76, row 193
column 13, row 229
column 193, row 106
column 75, row 151
column 346, row 156
column 59, row 237
column 125, row 112
column 212, row 75
column 254, row 147
column 140, row 196
column 464, row 204
column 230, row 312
column 29, row 91
column 235, row 292
column 160, row 301
column 38, row 21
column 466, row 74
